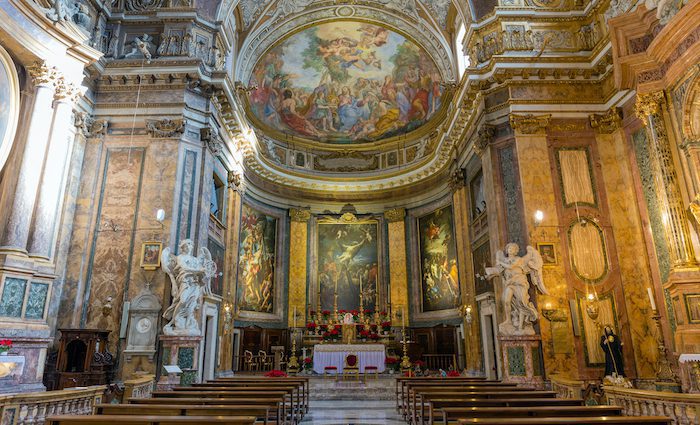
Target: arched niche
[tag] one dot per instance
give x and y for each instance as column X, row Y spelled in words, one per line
column 9, row 104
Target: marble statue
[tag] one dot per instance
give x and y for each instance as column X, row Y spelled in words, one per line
column 190, row 277
column 520, row 313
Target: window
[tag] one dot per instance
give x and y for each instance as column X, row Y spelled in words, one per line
column 459, row 50
column 217, row 205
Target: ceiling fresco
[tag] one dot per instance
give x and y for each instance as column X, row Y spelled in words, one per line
column 345, row 82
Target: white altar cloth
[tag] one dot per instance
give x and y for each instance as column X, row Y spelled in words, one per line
column 334, row 355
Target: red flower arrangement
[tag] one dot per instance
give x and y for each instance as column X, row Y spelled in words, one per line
column 386, row 326
column 334, row 334
column 342, row 311
column 368, row 311
column 391, row 360
column 373, row 327
column 311, row 326
column 360, row 328
column 409, row 374
column 374, row 337
column 5, row 345
column 419, row 363
column 275, row 374
column 337, row 327
column 383, row 313
column 312, row 313
column 325, row 313
column 453, row 374
column 308, row 363
column 323, row 328
column 364, row 333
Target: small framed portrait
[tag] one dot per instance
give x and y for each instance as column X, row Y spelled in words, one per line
column 548, row 253
column 692, row 305
column 150, row 255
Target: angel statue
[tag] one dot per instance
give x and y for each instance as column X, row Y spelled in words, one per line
column 520, row 313
column 191, row 278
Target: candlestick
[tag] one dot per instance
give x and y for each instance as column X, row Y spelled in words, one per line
column 664, row 372
column 651, row 298
column 294, row 319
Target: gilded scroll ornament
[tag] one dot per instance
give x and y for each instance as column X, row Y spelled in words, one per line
column 395, row 214
column 300, row 216
column 166, row 127
column 648, row 104
column 529, row 124
column 606, row 123
column 42, row 74
column 484, row 137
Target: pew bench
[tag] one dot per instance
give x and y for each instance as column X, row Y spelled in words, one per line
column 451, row 415
column 434, row 404
column 302, row 380
column 402, row 385
column 148, row 420
column 600, row 420
column 276, row 402
column 261, row 412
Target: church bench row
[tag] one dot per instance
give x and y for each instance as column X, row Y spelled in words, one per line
column 303, row 381
column 148, row 420
column 293, row 392
column 275, row 404
column 403, row 382
column 601, row 420
column 451, row 415
column 297, row 394
column 261, row 412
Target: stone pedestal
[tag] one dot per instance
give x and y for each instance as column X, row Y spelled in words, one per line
column 522, row 360
column 182, row 351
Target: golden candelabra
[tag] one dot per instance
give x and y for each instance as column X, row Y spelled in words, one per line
column 405, row 361
column 293, row 364
column 664, row 373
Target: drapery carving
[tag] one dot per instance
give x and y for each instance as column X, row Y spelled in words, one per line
column 588, row 250
column 576, row 177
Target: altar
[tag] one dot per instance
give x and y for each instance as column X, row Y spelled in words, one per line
column 334, row 355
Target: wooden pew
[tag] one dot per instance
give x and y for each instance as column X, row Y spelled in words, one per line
column 409, row 388
column 147, row 420
column 278, row 402
column 451, row 415
column 297, row 390
column 303, row 380
column 438, row 403
column 403, row 382
column 600, row 420
column 419, row 398
column 262, row 412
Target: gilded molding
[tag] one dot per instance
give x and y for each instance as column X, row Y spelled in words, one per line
column 299, row 216
column 42, row 74
column 484, row 137
column 529, row 124
column 395, row 214
column 606, row 123
column 67, row 92
column 166, row 127
column 648, row 104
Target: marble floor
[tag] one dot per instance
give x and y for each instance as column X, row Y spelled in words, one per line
column 352, row 412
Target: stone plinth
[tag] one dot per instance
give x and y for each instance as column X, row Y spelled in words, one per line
column 182, row 351
column 522, row 360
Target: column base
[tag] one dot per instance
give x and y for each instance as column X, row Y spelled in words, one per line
column 684, row 288
column 522, row 360
column 182, row 351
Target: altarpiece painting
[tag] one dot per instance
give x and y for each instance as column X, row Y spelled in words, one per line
column 438, row 261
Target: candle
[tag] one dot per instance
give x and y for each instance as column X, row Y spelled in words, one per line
column 403, row 318
column 295, row 316
column 651, row 298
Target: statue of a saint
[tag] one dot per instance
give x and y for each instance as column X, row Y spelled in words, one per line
column 612, row 347
column 191, row 278
column 520, row 313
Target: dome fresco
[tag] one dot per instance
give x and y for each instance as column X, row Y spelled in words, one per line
column 345, row 82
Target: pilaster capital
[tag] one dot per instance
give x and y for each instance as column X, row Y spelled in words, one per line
column 234, row 180
column 483, row 138
column 42, row 74
column 606, row 123
column 458, row 179
column 648, row 104
column 166, row 127
column 89, row 126
column 395, row 215
column 65, row 92
column 299, row 216
column 212, row 140
column 529, row 124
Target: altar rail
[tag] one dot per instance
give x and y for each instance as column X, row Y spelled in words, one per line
column 567, row 387
column 33, row 408
column 440, row 361
column 140, row 387
column 683, row 409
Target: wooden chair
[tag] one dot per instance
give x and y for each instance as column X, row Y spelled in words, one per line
column 250, row 363
column 352, row 366
column 264, row 360
column 328, row 369
column 372, row 370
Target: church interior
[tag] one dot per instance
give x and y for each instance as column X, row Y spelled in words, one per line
column 350, row 212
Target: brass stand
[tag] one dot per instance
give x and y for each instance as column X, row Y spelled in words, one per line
column 664, row 373
column 293, row 364
column 405, row 361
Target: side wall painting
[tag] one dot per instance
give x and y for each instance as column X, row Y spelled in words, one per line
column 438, row 260
column 348, row 264
column 256, row 261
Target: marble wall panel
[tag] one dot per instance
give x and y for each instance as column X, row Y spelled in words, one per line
column 298, row 249
column 508, row 162
column 398, row 281
column 627, row 230
column 186, row 199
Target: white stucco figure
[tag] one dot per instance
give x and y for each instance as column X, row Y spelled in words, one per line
column 191, row 278
column 520, row 313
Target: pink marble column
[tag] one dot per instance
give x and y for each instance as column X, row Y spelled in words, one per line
column 16, row 230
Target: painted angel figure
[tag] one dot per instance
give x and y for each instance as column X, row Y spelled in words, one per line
column 191, row 278
column 520, row 313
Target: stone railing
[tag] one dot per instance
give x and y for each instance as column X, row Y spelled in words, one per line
column 140, row 387
column 33, row 408
column 567, row 387
column 683, row 409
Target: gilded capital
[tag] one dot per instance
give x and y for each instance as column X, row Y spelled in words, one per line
column 648, row 104
column 606, row 123
column 300, row 216
column 42, row 74
column 484, row 137
column 529, row 124
column 67, row 92
column 395, row 214
column 458, row 179
column 234, row 179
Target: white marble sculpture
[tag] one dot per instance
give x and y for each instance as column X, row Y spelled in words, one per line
column 520, row 313
column 191, row 279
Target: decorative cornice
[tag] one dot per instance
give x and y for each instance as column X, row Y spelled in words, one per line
column 42, row 74
column 529, row 124
column 606, row 123
column 166, row 127
column 395, row 215
column 648, row 104
column 299, row 216
column 484, row 137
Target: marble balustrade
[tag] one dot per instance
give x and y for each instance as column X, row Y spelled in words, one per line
column 683, row 409
column 567, row 387
column 33, row 408
column 140, row 387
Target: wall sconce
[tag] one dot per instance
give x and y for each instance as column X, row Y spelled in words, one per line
column 466, row 312
column 228, row 317
column 539, row 216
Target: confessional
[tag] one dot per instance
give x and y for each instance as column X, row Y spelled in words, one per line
column 82, row 359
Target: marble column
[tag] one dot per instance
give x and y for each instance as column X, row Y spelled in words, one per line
column 298, row 246
column 398, row 281
column 16, row 230
column 649, row 108
column 48, row 209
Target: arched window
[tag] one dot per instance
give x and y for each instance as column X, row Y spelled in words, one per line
column 9, row 104
column 459, row 49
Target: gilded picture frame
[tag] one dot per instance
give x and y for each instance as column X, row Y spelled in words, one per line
column 692, row 307
column 548, row 252
column 150, row 255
